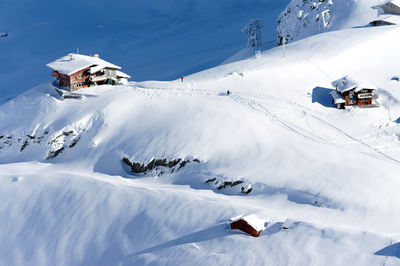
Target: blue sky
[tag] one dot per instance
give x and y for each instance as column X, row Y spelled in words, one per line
column 151, row 40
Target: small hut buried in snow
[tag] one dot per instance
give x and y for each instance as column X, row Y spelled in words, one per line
column 250, row 224
column 76, row 71
column 351, row 92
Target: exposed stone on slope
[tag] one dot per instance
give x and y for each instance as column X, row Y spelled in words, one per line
column 158, row 166
column 301, row 16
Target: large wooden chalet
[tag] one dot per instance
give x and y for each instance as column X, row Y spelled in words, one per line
column 76, row 71
column 349, row 92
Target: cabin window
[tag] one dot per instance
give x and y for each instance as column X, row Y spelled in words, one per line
column 80, row 76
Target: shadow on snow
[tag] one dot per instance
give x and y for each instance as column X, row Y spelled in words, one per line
column 321, row 95
column 392, row 251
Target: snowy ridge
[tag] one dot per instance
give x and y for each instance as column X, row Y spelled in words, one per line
column 303, row 18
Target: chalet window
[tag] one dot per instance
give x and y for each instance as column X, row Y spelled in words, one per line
column 100, row 73
column 80, row 76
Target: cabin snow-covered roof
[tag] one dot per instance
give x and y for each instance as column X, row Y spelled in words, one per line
column 337, row 97
column 73, row 63
column 122, row 75
column 348, row 83
column 255, row 222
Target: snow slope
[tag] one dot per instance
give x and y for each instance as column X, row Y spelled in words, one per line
column 303, row 18
column 153, row 39
column 330, row 176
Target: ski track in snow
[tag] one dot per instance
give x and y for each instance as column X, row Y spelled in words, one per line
column 254, row 105
column 275, row 119
column 307, row 134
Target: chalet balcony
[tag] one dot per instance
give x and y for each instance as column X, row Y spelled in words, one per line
column 99, row 78
column 364, row 96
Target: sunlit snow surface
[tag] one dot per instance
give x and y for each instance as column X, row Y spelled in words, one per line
column 330, row 176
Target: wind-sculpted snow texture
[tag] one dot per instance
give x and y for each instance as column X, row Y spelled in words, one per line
column 303, row 18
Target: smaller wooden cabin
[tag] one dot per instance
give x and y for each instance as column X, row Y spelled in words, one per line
column 76, row 71
column 251, row 225
column 351, row 92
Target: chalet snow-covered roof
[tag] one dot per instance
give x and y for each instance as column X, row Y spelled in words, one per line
column 348, row 83
column 73, row 63
column 121, row 74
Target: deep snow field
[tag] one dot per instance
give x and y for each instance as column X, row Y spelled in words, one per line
column 330, row 176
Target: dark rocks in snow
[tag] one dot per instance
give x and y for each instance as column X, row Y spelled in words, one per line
column 157, row 165
column 54, row 154
column 246, row 191
column 74, row 142
column 24, row 145
column 67, row 133
column 221, row 183
column 6, row 140
column 227, row 184
column 211, row 180
column 66, row 139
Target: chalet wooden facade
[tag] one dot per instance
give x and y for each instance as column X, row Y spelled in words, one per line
column 76, row 71
column 245, row 227
column 349, row 92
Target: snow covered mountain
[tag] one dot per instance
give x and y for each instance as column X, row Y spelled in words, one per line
column 151, row 40
column 152, row 172
column 303, row 18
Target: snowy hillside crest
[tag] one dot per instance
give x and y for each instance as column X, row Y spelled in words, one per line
column 303, row 15
column 304, row 18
